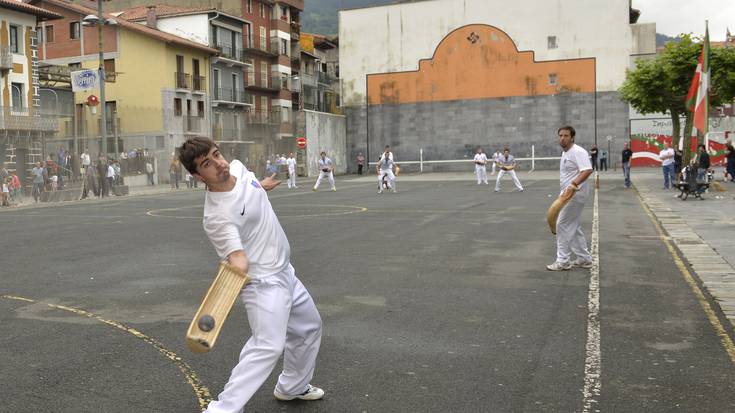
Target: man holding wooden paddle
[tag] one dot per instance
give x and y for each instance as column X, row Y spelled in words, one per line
column 244, row 230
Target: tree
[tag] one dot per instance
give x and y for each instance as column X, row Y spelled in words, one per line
column 660, row 85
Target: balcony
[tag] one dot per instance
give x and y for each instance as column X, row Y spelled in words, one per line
column 229, row 53
column 261, row 84
column 6, row 58
column 231, row 97
column 192, row 124
column 295, row 30
column 199, row 83
column 257, row 47
column 262, row 117
column 182, row 80
column 21, row 119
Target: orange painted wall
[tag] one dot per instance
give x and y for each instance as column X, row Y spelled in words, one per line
column 477, row 62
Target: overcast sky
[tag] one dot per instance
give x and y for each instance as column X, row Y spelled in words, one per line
column 684, row 16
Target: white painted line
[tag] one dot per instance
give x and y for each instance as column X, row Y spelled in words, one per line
column 593, row 360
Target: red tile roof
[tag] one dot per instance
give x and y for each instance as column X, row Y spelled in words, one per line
column 17, row 5
column 140, row 12
column 121, row 22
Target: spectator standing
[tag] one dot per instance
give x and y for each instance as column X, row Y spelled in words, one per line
column 173, row 173
column 149, row 171
column 627, row 155
column 730, row 162
column 38, row 173
column 16, row 186
column 593, row 156
column 360, row 160
column 603, row 159
column 667, row 164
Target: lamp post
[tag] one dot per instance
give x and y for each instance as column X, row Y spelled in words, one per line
column 99, row 21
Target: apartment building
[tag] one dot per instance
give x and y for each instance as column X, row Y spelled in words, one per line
column 157, row 92
column 22, row 125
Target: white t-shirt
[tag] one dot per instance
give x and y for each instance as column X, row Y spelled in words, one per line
column 325, row 163
column 291, row 162
column 243, row 219
column 496, row 155
column 506, row 161
column 386, row 162
column 110, row 171
column 481, row 157
column 573, row 161
column 85, row 159
column 669, row 161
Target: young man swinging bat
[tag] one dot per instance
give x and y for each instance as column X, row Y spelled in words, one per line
column 244, row 230
column 574, row 169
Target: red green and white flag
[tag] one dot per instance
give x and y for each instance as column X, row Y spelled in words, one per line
column 698, row 98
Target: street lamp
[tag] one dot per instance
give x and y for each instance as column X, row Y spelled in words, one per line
column 91, row 21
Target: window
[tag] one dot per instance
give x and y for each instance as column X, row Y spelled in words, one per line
column 215, row 78
column 284, row 12
column 262, row 10
column 552, row 42
column 200, row 108
column 235, row 88
column 160, row 142
column 263, row 39
column 74, row 33
column 49, row 34
column 248, row 30
column 249, row 64
column 552, row 79
column 177, row 107
column 284, row 49
column 264, row 74
column 264, row 103
column 75, row 66
column 17, row 96
column 110, row 70
column 14, row 46
column 249, row 6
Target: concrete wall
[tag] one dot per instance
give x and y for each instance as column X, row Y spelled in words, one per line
column 516, row 122
column 325, row 132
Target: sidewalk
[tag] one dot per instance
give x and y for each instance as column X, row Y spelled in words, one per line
column 703, row 230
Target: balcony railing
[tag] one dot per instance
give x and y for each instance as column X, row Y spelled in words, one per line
column 183, row 80
column 325, row 78
column 24, row 120
column 192, row 124
column 6, row 58
column 230, row 52
column 231, row 95
column 199, row 83
column 254, row 46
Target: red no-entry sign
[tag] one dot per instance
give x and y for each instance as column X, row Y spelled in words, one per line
column 301, row 142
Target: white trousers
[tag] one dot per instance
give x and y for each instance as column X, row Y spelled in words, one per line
column 391, row 179
column 569, row 235
column 323, row 174
column 481, row 172
column 282, row 317
column 494, row 167
column 512, row 173
column 292, row 178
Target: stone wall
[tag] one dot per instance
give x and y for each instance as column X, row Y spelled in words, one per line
column 453, row 129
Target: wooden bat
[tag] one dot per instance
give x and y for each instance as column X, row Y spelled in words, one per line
column 215, row 307
column 552, row 214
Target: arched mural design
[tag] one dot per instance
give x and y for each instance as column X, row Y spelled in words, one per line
column 480, row 62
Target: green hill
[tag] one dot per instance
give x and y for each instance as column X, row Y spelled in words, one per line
column 320, row 16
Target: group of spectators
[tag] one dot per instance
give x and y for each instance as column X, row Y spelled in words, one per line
column 9, row 187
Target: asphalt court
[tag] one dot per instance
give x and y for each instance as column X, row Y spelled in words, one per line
column 433, row 299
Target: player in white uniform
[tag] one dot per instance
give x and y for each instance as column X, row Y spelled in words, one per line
column 480, row 167
column 574, row 169
column 506, row 163
column 243, row 228
column 326, row 169
column 291, row 163
column 386, row 164
column 495, row 159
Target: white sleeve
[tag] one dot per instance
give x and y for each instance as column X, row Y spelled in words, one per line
column 223, row 235
column 582, row 161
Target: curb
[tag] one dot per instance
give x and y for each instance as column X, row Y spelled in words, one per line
column 715, row 273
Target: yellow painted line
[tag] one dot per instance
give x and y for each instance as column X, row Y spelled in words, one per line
column 725, row 339
column 201, row 391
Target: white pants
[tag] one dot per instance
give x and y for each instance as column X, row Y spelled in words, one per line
column 512, row 173
column 292, row 178
column 569, row 235
column 481, row 172
column 494, row 168
column 323, row 174
column 282, row 316
column 391, row 177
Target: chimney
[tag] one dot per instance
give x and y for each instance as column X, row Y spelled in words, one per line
column 150, row 17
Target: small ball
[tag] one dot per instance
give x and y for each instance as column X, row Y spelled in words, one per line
column 206, row 322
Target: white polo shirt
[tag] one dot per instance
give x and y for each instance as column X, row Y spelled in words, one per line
column 573, row 161
column 386, row 162
column 243, row 219
column 481, row 157
column 325, row 163
column 291, row 162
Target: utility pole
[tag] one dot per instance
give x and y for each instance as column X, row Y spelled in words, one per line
column 103, row 127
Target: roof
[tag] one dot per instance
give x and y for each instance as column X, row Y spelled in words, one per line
column 121, row 22
column 27, row 8
column 323, row 42
column 140, row 12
